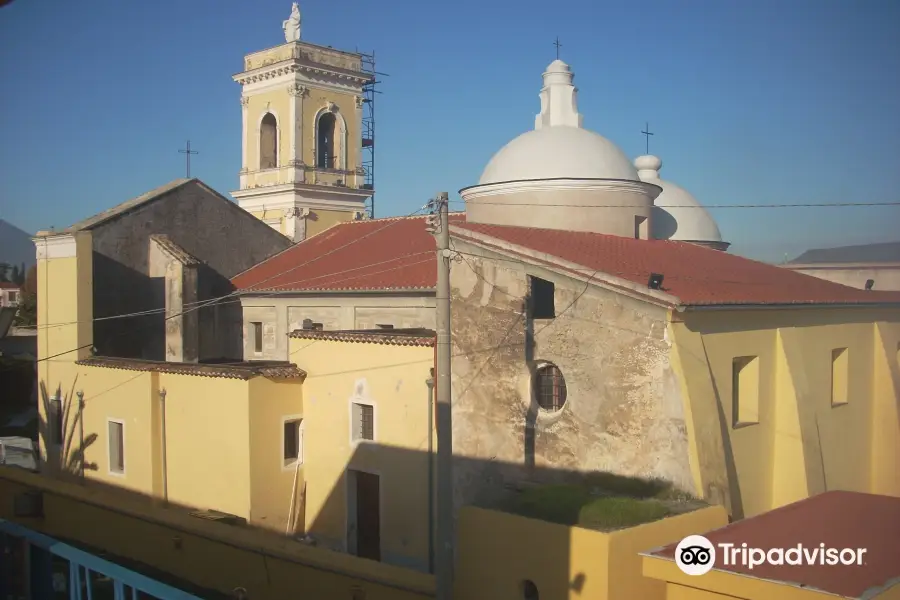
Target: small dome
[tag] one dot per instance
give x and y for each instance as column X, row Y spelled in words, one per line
column 647, row 163
column 558, row 152
column 677, row 215
column 558, row 66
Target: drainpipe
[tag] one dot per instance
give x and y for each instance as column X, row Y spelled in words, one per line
column 430, row 383
column 165, row 471
column 81, row 450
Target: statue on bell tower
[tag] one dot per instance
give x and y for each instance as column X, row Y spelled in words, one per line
column 292, row 25
column 306, row 134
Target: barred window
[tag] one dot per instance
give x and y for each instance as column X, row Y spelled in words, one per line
column 363, row 422
column 550, row 387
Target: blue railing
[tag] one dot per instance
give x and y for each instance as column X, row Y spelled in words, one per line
column 34, row 566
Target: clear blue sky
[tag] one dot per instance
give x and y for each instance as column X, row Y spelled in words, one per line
column 762, row 102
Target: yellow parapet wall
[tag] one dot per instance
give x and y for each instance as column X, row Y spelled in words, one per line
column 499, row 552
column 208, row 554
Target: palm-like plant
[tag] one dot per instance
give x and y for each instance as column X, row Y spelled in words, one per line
column 61, row 427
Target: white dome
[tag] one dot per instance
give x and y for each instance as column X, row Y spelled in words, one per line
column 558, row 152
column 677, row 215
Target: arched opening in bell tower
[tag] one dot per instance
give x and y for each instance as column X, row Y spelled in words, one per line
column 268, row 142
column 325, row 145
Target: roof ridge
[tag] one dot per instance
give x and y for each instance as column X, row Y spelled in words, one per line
column 395, row 218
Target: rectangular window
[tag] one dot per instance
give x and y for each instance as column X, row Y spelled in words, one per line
column 840, row 376
column 293, row 441
column 640, row 227
column 257, row 332
column 383, row 326
column 745, row 390
column 116, row 447
column 55, row 421
column 363, row 422
column 543, row 298
column 13, row 296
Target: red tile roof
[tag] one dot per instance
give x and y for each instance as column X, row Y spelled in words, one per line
column 398, row 254
column 391, row 337
column 8, row 285
column 242, row 370
column 837, row 520
column 380, row 254
column 692, row 273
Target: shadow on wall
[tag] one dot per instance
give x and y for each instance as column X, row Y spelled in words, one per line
column 379, row 507
column 61, row 426
column 382, row 507
column 119, row 289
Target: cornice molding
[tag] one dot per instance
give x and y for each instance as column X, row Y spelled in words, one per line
column 557, row 185
column 292, row 66
column 55, row 246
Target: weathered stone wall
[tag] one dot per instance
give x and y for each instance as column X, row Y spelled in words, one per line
column 623, row 412
column 219, row 233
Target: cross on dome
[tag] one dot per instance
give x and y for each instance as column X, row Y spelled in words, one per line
column 559, row 98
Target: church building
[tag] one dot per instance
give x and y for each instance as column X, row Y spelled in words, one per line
column 303, row 135
column 598, row 324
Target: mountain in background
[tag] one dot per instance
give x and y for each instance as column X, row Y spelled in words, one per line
column 16, row 246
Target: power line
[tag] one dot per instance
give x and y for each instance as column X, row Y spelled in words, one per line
column 238, row 292
column 209, row 301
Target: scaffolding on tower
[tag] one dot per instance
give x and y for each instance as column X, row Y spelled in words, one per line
column 368, row 127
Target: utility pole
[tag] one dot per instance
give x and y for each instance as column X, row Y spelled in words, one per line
column 440, row 223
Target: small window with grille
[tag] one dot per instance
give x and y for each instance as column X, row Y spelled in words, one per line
column 362, row 422
column 550, row 387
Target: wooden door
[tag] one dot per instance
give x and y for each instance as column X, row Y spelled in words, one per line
column 368, row 516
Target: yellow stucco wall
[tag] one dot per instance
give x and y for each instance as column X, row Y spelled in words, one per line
column 64, row 314
column 271, row 215
column 271, row 479
column 325, row 219
column 127, row 397
column 802, row 444
column 279, row 103
column 393, row 379
column 208, row 442
column 497, row 555
column 276, row 102
column 208, row 554
column 321, row 220
column 223, row 439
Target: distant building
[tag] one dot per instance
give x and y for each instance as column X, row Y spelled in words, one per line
column 9, row 293
column 855, row 266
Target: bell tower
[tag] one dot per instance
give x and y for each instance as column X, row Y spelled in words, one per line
column 307, row 135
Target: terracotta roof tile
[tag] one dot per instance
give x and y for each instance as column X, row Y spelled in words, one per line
column 692, row 273
column 398, row 254
column 378, row 254
column 244, row 371
column 8, row 285
column 393, row 337
column 836, row 519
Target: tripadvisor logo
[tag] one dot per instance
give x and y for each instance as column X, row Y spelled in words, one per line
column 696, row 555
